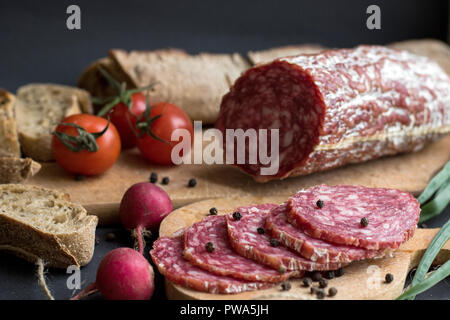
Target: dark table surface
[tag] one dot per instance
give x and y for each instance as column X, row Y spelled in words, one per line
column 37, row 47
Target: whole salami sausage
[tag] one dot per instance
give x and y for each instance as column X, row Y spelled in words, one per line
column 334, row 108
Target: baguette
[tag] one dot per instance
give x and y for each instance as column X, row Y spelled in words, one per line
column 41, row 223
column 39, row 108
column 196, row 83
column 17, row 170
column 9, row 140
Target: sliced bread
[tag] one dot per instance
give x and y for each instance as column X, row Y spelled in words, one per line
column 17, row 170
column 9, row 140
column 39, row 108
column 196, row 83
column 42, row 223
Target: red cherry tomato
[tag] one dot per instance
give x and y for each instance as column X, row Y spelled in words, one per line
column 87, row 162
column 172, row 117
column 124, row 118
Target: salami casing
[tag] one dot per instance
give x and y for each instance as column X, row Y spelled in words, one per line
column 311, row 248
column 167, row 254
column 337, row 107
column 251, row 243
column 223, row 260
column 391, row 216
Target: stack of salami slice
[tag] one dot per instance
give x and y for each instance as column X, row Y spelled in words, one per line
column 317, row 229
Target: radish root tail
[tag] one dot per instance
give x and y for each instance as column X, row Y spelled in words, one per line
column 41, row 277
column 90, row 289
column 139, row 242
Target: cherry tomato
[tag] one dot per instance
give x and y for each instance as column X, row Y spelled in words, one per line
column 87, row 162
column 124, row 118
column 172, row 117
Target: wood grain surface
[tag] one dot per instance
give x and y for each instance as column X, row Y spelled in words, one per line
column 101, row 195
column 362, row 280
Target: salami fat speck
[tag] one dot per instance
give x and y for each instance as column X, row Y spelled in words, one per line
column 251, row 243
column 167, row 254
column 311, row 248
column 392, row 215
column 337, row 107
column 223, row 260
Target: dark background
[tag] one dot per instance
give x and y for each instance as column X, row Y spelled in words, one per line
column 36, row 46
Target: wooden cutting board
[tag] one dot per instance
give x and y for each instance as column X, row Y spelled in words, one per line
column 362, row 280
column 101, row 195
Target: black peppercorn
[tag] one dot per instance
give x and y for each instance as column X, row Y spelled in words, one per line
column 307, row 282
column 323, row 283
column 281, row 269
column 153, row 177
column 319, row 204
column 165, row 180
column 320, row 294
column 110, row 236
column 274, row 242
column 286, row 286
column 79, row 177
column 237, row 215
column 261, row 230
column 332, row 292
column 209, row 247
column 192, row 183
column 213, row 211
column 328, row 274
column 313, row 290
column 339, row 272
column 364, row 222
column 389, row 278
column 316, row 276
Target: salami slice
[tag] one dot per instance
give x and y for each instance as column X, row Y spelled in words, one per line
column 167, row 254
column 333, row 108
column 371, row 218
column 249, row 238
column 314, row 249
column 222, row 259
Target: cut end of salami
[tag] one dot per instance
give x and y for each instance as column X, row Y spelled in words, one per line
column 333, row 108
column 167, row 254
column 250, row 239
column 371, row 218
column 223, row 260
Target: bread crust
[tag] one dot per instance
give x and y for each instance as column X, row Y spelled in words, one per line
column 56, row 250
column 17, row 170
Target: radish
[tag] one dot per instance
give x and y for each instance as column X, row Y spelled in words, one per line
column 123, row 274
column 143, row 207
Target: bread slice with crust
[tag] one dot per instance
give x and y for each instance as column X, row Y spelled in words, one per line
column 39, row 109
column 40, row 223
column 195, row 83
column 9, row 139
column 263, row 56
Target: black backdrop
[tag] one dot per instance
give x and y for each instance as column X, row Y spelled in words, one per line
column 36, row 46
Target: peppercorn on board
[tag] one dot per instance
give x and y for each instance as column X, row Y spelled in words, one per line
column 361, row 280
column 101, row 195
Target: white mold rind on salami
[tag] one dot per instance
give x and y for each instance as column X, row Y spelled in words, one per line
column 392, row 215
column 247, row 241
column 340, row 106
column 167, row 254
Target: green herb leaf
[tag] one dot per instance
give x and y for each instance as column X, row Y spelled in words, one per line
column 435, row 183
column 438, row 204
column 430, row 254
column 436, row 276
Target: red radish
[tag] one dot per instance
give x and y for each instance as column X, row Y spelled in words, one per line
column 143, row 206
column 123, row 274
